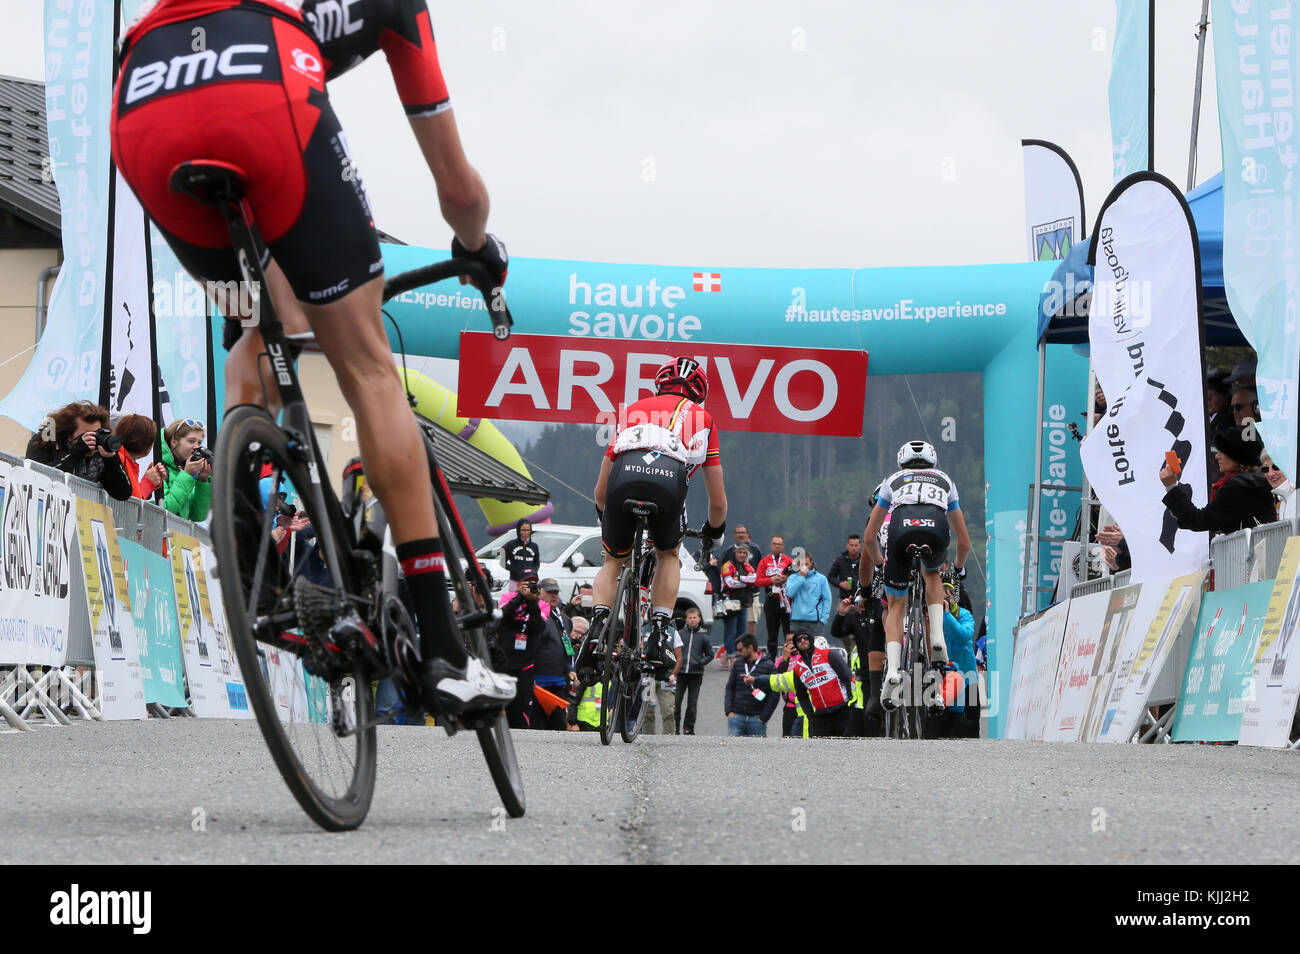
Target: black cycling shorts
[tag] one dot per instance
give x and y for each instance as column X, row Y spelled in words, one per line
column 909, row 524
column 661, row 481
column 255, row 97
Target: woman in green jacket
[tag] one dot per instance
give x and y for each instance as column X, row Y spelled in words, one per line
column 187, row 492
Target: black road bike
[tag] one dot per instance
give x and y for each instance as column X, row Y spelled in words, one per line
column 921, row 691
column 627, row 680
column 311, row 638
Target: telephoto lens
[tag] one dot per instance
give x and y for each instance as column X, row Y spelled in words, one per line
column 106, row 439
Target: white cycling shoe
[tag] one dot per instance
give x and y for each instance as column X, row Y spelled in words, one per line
column 450, row 690
column 891, row 689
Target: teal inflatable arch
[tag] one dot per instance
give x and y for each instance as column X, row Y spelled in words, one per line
column 919, row 320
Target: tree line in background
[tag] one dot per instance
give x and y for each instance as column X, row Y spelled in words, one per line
column 813, row 490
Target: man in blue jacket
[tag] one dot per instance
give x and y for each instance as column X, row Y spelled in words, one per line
column 749, row 707
column 810, row 598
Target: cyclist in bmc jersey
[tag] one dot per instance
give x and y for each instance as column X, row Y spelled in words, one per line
column 921, row 503
column 243, row 82
column 659, row 443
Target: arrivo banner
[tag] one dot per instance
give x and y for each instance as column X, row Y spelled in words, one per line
column 560, row 379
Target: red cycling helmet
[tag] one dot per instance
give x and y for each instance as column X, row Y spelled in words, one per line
column 683, row 376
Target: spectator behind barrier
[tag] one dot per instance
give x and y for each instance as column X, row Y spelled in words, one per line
column 137, row 433
column 1241, row 498
column 1284, row 499
column 1245, row 405
column 75, row 439
column 188, row 490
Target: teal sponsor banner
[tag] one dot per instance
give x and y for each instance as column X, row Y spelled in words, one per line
column 1130, row 87
column 153, row 604
column 1256, row 58
column 78, row 95
column 1065, row 385
column 1220, row 669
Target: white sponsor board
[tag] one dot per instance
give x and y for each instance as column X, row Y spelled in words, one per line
column 207, row 685
column 236, row 692
column 38, row 534
column 1142, row 661
column 1038, row 650
column 1275, row 684
column 1070, row 695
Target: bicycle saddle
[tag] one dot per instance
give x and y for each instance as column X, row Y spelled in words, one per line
column 210, row 181
column 641, row 508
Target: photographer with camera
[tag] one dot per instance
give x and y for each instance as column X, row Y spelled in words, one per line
column 522, row 623
column 137, row 433
column 188, row 488
column 76, row 439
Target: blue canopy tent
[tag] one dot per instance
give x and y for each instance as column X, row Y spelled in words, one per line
column 1063, row 305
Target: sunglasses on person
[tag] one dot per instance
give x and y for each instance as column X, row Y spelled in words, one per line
column 1242, row 407
column 1269, row 468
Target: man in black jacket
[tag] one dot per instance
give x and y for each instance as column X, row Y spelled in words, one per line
column 68, row 441
column 843, row 576
column 522, row 621
column 748, row 707
column 554, row 668
column 697, row 652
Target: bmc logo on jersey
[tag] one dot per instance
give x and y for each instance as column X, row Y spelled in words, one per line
column 191, row 68
column 918, row 522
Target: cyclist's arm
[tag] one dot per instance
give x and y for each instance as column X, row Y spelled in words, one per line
column 871, row 540
column 602, row 482
column 717, row 494
column 462, row 196
column 958, row 523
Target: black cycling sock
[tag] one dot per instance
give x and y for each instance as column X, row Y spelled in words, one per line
column 426, row 580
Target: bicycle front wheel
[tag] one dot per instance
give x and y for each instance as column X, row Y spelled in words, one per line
column 497, row 743
column 313, row 706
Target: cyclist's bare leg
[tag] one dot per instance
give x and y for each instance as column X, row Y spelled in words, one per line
column 667, row 579
column 243, row 384
column 934, row 600
column 894, row 612
column 351, row 333
column 606, row 581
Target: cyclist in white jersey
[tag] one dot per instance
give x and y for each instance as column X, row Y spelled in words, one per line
column 916, row 499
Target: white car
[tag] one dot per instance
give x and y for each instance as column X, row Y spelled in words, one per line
column 571, row 555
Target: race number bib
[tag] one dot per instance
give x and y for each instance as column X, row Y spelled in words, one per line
column 918, row 492
column 650, row 437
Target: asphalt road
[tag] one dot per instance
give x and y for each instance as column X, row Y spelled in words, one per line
column 133, row 791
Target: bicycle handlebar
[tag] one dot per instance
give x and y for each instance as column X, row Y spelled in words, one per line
column 475, row 271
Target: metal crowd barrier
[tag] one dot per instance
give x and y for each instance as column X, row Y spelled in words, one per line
column 1099, row 585
column 140, row 521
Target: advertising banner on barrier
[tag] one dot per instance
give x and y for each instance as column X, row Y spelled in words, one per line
column 1038, row 650
column 1070, row 695
column 112, row 625
column 153, row 607
column 1145, row 331
column 1142, row 662
column 1220, row 672
column 553, row 378
column 236, row 692
column 1275, row 684
column 38, row 531
column 203, row 662
column 1127, row 620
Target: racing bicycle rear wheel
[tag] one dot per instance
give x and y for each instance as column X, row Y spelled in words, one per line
column 611, row 694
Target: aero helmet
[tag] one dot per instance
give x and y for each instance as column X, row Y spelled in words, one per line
column 917, row 454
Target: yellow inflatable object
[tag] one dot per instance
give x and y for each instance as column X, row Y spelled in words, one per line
column 438, row 404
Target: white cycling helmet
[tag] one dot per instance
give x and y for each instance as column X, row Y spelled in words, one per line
column 915, row 453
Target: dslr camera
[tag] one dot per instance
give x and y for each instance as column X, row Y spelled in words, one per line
column 201, row 453
column 106, row 439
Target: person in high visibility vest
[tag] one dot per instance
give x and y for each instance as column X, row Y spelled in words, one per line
column 585, row 716
column 820, row 677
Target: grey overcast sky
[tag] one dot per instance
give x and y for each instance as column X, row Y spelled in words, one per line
column 756, row 132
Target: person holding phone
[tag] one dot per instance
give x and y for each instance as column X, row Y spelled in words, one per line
column 1240, row 498
column 522, row 623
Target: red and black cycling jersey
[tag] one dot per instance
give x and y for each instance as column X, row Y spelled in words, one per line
column 669, row 425
column 348, row 31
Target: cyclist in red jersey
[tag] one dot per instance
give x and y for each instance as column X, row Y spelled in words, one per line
column 659, row 444
column 244, row 82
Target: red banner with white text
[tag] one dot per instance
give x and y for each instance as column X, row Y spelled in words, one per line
column 751, row 388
